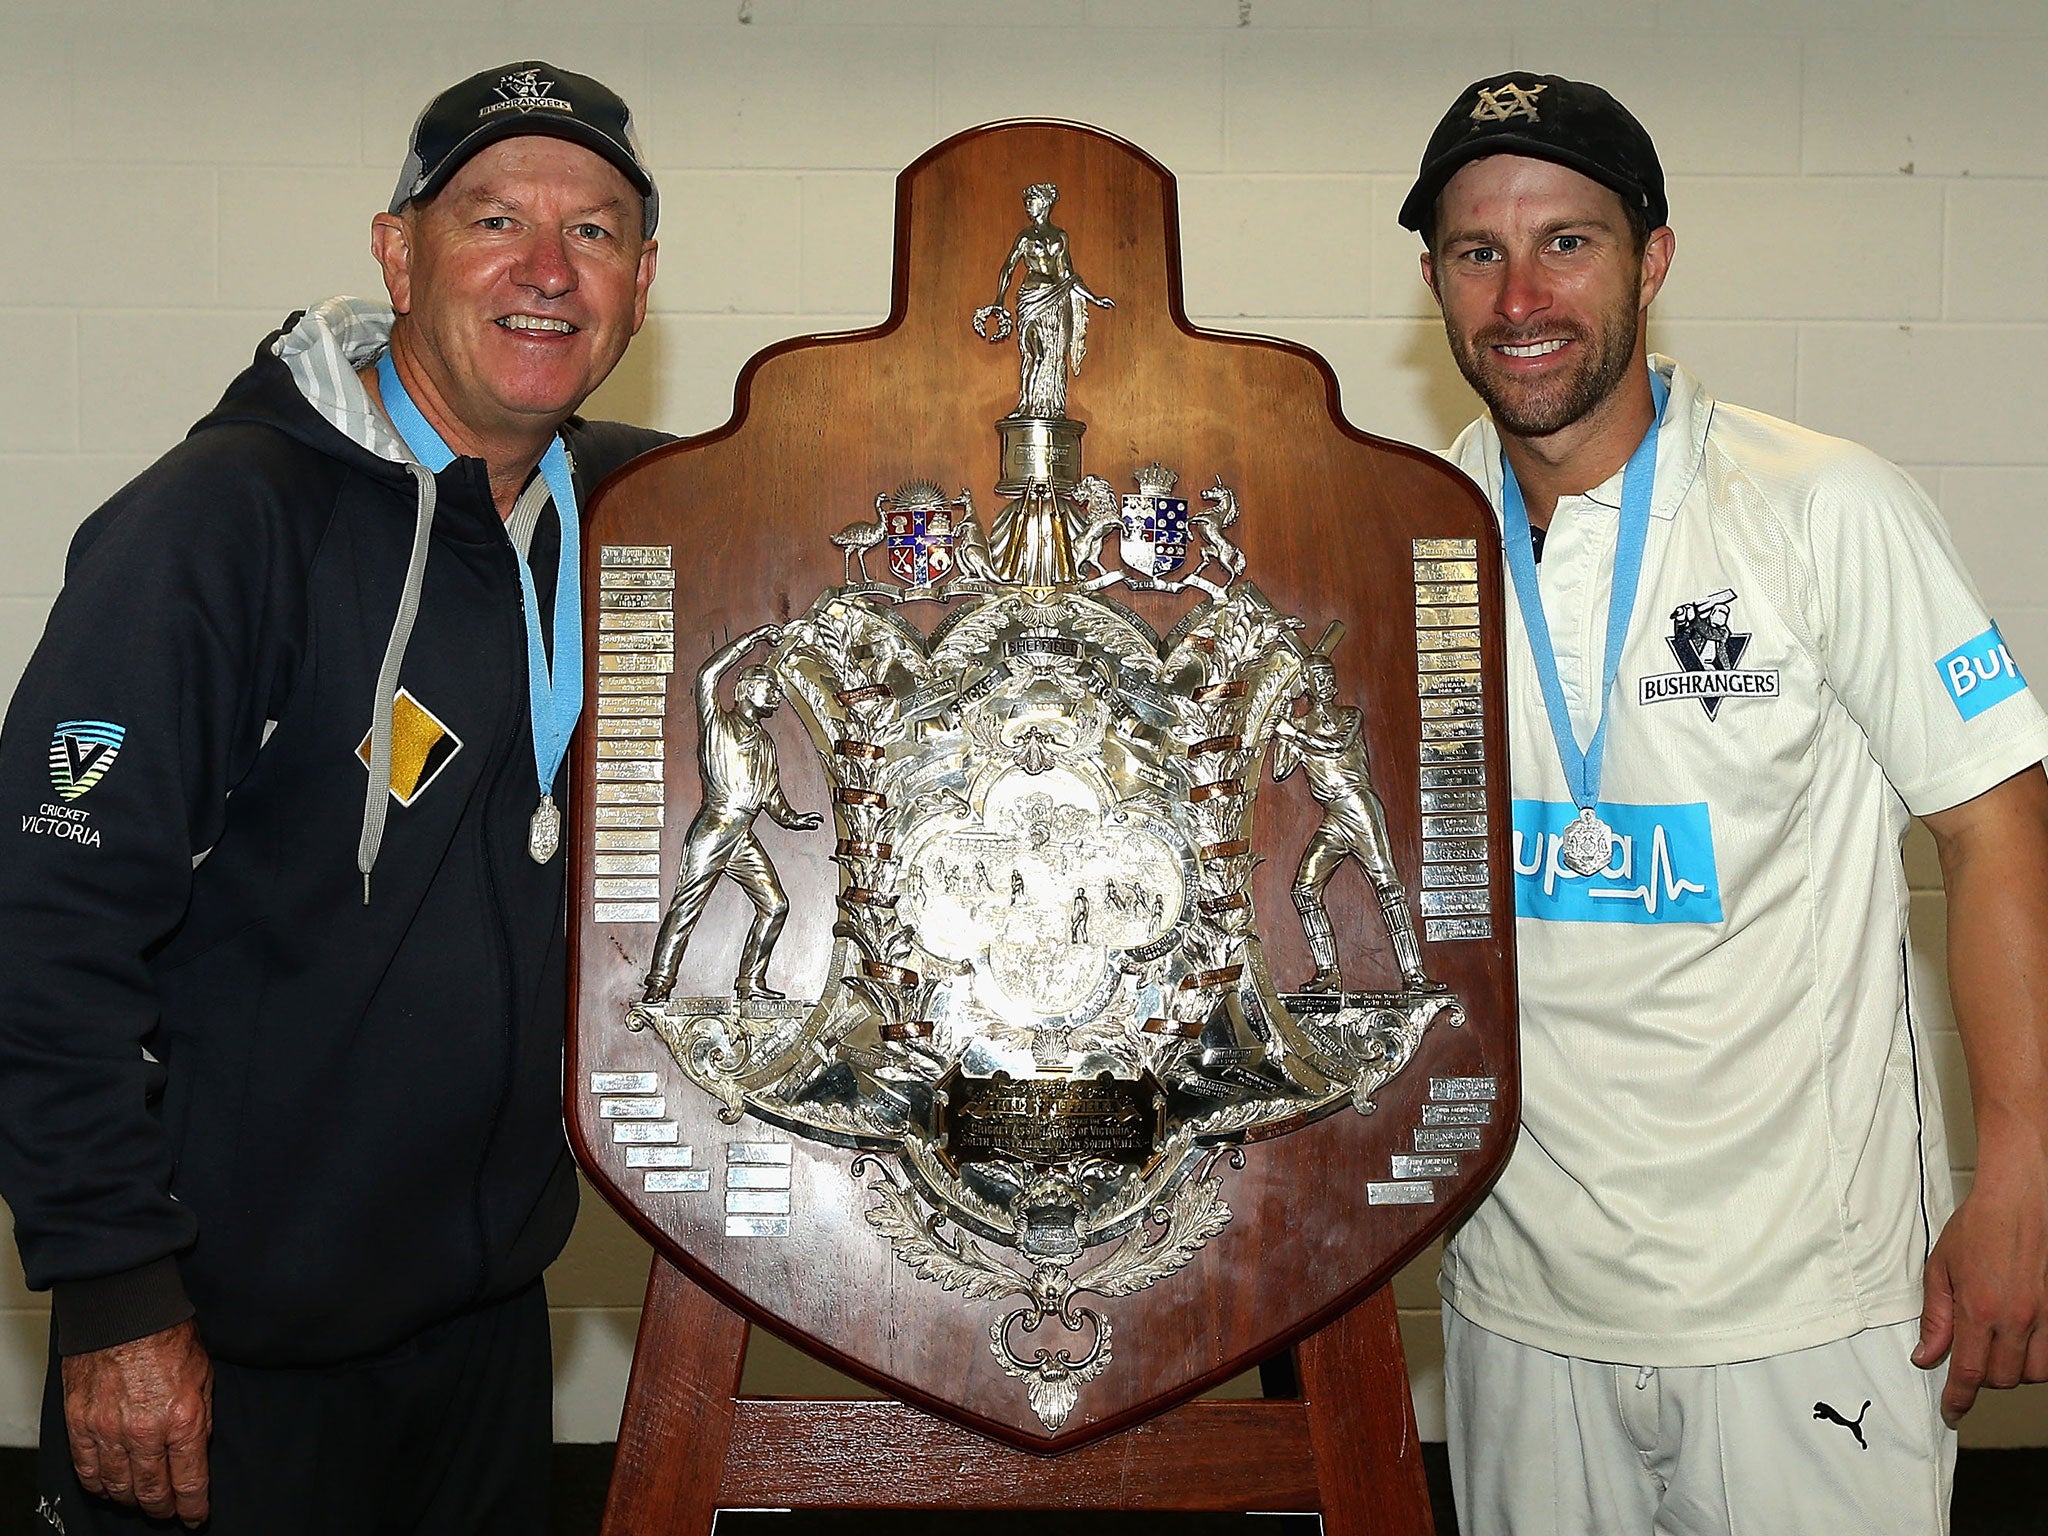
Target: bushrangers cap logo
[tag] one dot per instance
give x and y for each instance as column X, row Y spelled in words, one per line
column 1506, row 102
column 81, row 752
column 1710, row 652
column 525, row 90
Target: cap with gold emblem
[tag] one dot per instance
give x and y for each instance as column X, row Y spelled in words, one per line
column 1545, row 117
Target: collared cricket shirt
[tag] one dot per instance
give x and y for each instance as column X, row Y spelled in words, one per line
column 1732, row 1144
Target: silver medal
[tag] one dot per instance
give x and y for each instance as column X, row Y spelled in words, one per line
column 1587, row 844
column 544, row 833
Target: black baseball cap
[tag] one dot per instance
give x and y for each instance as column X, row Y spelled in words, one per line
column 1545, row 117
column 524, row 98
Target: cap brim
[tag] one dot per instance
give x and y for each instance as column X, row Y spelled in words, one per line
column 1415, row 208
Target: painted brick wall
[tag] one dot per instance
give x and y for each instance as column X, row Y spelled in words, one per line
column 1860, row 194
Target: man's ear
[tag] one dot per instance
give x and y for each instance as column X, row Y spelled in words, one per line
column 1658, row 250
column 1429, row 275
column 391, row 246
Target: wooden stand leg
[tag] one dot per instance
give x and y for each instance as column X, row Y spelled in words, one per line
column 1361, row 1421
column 1346, row 1446
column 679, row 1410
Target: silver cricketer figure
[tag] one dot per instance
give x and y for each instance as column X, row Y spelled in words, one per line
column 1328, row 744
column 736, row 762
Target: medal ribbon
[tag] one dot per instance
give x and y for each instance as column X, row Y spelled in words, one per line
column 554, row 698
column 1582, row 767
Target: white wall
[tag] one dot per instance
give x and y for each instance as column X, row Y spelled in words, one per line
column 1860, row 193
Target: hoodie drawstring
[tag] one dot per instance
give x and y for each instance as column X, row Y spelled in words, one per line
column 376, row 799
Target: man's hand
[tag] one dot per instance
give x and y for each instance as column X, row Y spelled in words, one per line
column 139, row 1415
column 800, row 821
column 1986, row 1296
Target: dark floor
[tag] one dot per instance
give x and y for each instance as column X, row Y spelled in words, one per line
column 1998, row 1493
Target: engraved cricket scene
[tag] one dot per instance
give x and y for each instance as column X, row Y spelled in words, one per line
column 1049, row 1026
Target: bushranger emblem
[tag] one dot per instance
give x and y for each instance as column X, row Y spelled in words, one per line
column 1711, row 654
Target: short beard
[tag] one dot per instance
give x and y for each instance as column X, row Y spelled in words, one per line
column 1520, row 411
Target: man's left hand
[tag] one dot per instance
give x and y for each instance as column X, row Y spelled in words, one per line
column 1986, row 1296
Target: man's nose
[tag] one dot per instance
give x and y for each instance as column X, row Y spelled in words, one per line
column 1524, row 290
column 544, row 265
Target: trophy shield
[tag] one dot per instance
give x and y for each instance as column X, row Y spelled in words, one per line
column 1055, row 969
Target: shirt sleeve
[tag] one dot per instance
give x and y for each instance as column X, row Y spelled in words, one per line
column 139, row 709
column 1908, row 646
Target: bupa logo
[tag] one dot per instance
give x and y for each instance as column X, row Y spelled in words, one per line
column 1660, row 870
column 1980, row 673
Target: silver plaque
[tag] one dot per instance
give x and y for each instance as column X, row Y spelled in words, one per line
column 615, row 683
column 1451, row 903
column 612, row 663
column 629, row 816
column 1432, row 1166
column 645, row 1133
column 1457, row 1114
column 760, row 1202
column 1450, row 876
column 629, row 794
column 611, row 749
column 616, row 641
column 1439, row 930
column 691, row 1181
column 658, row 1157
column 1446, row 549
column 757, row 1226
column 1446, row 570
column 627, row 912
column 1449, row 777
column 639, row 600
column 745, row 1177
column 629, row 768
column 1453, row 850
column 757, row 1152
column 615, row 837
column 628, row 864
column 634, row 618
column 621, row 580
column 1401, row 1192
column 631, row 1109
column 1455, row 1089
column 625, row 1082
column 1448, row 1138
column 635, row 554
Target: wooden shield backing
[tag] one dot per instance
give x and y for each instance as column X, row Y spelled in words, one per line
column 1336, row 524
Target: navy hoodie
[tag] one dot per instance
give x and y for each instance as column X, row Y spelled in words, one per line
column 223, row 1077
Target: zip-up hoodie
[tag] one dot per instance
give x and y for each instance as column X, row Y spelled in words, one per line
column 224, row 1075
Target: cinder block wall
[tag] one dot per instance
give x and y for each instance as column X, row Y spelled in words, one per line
column 1860, row 194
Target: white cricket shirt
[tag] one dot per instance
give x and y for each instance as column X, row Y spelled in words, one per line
column 1731, row 1141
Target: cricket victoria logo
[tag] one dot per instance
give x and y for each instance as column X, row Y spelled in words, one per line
column 1710, row 652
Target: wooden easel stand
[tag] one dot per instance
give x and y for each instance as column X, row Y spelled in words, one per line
column 690, row 1446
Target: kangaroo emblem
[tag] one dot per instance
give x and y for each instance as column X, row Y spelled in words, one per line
column 1855, row 1427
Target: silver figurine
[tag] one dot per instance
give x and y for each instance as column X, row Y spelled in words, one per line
column 736, row 761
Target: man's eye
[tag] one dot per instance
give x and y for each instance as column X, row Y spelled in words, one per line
column 495, row 221
column 1570, row 243
column 1482, row 255
column 593, row 232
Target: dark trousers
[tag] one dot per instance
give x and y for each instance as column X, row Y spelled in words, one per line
column 447, row 1435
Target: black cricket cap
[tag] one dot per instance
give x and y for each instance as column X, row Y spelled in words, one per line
column 529, row 97
column 1545, row 117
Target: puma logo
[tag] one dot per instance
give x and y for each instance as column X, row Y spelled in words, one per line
column 46, row 1507
column 1855, row 1427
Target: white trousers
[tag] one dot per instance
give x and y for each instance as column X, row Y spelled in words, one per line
column 1844, row 1439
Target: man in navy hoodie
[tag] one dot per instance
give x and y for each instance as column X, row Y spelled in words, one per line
column 281, row 935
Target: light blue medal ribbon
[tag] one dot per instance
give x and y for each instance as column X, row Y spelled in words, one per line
column 1588, row 842
column 554, row 696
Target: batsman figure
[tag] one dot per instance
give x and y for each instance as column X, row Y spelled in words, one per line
column 736, row 762
column 1328, row 744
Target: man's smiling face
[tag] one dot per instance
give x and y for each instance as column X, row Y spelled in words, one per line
column 520, row 283
column 1542, row 287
